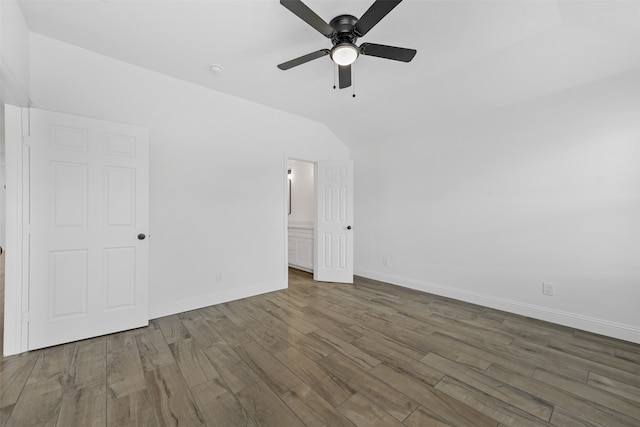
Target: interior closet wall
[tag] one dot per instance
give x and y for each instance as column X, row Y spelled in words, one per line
column 302, row 193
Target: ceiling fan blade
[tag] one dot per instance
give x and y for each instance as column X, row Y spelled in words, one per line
column 303, row 12
column 378, row 10
column 388, row 52
column 305, row 58
column 344, row 76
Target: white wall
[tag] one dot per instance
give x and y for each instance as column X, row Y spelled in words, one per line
column 217, row 171
column 487, row 209
column 302, row 194
column 14, row 55
column 14, row 81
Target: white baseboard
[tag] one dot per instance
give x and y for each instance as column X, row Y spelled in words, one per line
column 298, row 267
column 599, row 326
column 218, row 298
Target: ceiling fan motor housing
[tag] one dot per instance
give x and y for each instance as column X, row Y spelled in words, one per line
column 344, row 26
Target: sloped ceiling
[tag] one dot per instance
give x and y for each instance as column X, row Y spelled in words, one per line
column 473, row 55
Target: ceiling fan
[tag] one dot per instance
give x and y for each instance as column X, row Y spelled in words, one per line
column 344, row 30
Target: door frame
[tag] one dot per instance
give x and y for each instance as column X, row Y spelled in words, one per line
column 16, row 286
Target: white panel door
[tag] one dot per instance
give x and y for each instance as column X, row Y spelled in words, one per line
column 334, row 220
column 89, row 217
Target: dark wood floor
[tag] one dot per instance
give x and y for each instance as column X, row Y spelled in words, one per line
column 367, row 354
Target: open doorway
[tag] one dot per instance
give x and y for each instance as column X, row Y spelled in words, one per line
column 301, row 214
column 319, row 231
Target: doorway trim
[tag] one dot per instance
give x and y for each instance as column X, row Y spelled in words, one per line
column 16, row 303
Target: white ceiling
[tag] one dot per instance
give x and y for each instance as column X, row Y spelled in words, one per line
column 473, row 55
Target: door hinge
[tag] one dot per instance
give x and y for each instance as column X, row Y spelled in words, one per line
column 26, row 141
column 26, row 228
column 25, row 317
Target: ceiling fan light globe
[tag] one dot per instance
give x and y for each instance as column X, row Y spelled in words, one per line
column 344, row 54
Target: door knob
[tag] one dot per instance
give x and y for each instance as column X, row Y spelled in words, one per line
column 348, row 227
column 141, row 236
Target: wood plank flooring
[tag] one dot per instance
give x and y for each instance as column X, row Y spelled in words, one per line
column 323, row 354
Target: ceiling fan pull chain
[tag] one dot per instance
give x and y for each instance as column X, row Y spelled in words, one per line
column 335, row 75
column 353, row 81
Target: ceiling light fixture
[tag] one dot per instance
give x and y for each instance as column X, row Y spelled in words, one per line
column 344, row 53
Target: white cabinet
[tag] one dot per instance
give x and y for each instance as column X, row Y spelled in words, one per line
column 301, row 248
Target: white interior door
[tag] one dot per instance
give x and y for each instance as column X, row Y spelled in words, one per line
column 334, row 222
column 88, row 204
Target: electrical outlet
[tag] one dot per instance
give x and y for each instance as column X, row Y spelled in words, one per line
column 385, row 262
column 547, row 288
column 218, row 277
